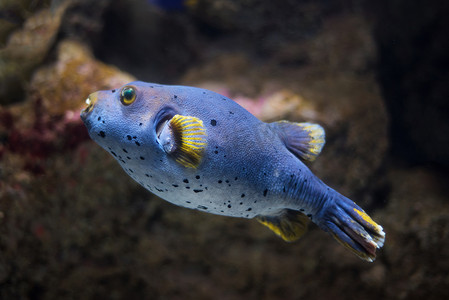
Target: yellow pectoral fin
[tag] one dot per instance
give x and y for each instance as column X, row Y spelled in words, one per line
column 190, row 140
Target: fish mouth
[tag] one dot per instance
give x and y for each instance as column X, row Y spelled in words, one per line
column 90, row 101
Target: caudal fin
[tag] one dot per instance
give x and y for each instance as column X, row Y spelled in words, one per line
column 353, row 228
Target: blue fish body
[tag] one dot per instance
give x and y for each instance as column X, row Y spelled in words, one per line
column 201, row 150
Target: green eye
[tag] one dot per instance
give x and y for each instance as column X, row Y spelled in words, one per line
column 128, row 95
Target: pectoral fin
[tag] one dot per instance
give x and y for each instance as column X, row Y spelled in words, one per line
column 184, row 138
column 304, row 140
column 289, row 224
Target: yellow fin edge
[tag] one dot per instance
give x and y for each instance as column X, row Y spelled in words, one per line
column 190, row 136
column 289, row 225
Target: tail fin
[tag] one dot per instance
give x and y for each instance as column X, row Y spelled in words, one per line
column 352, row 228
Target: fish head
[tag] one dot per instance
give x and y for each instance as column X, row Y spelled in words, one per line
column 142, row 120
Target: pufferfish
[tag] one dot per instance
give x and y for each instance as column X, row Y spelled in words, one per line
column 198, row 149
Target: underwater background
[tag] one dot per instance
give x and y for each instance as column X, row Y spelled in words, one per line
column 374, row 74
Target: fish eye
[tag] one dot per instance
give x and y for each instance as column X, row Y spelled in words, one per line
column 128, row 95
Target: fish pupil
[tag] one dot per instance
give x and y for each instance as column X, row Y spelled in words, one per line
column 128, row 93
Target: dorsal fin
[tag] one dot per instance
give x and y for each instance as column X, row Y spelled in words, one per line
column 184, row 138
column 289, row 224
column 304, row 140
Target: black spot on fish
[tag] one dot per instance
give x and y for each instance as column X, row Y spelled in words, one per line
column 175, row 96
column 175, row 185
column 131, row 170
column 204, row 93
column 219, row 181
column 129, row 137
column 216, row 152
column 229, row 206
column 309, row 215
column 137, row 143
column 197, row 191
column 162, row 182
column 113, row 153
column 140, row 124
column 142, row 158
column 302, row 209
column 186, row 180
column 159, row 190
column 236, row 178
column 243, row 195
column 123, row 161
column 128, row 157
column 147, row 175
column 231, row 113
column 99, row 119
column 241, row 203
column 213, row 122
column 265, row 193
column 249, row 209
column 113, row 91
column 197, row 176
column 202, row 207
column 124, row 150
column 283, row 189
column 188, row 202
column 102, row 134
column 188, row 187
column 102, row 122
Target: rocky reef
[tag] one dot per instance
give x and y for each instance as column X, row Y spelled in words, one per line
column 74, row 225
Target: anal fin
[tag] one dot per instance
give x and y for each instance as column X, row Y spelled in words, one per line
column 304, row 140
column 289, row 224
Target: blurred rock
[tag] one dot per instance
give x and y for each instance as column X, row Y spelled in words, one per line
column 416, row 221
column 48, row 123
column 74, row 75
column 26, row 49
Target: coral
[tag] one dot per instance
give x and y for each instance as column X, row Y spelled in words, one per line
column 73, row 76
column 26, row 49
column 49, row 123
